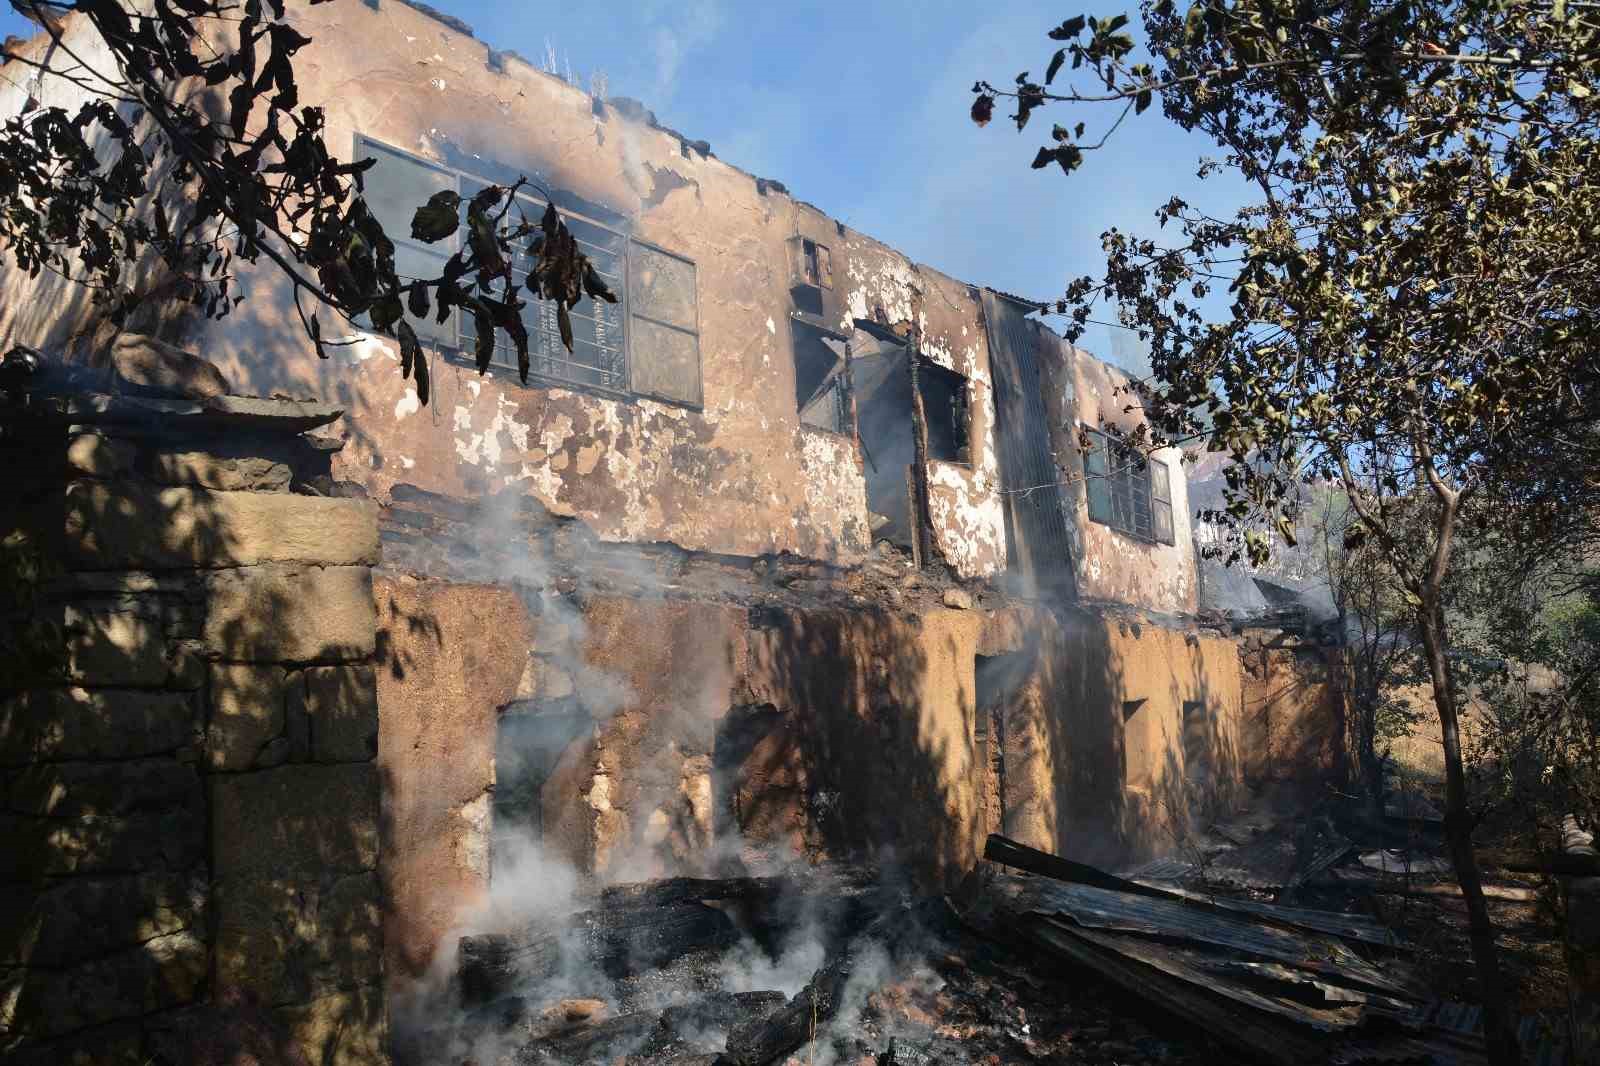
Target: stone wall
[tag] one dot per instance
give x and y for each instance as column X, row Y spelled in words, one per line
column 190, row 798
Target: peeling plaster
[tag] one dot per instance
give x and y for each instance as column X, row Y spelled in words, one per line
column 408, row 405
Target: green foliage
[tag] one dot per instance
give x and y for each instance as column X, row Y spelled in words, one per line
column 196, row 151
column 1415, row 288
column 1411, row 298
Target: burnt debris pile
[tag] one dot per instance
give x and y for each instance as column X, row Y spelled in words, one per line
column 1033, row 958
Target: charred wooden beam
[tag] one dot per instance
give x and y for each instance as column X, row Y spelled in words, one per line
column 1008, row 852
column 771, row 1038
column 692, row 1028
column 688, row 889
column 616, row 940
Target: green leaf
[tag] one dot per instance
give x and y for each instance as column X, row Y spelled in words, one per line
column 1577, row 90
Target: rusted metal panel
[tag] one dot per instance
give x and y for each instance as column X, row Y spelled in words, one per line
column 1040, row 544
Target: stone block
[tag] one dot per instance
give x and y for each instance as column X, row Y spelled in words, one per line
column 285, row 614
column 97, row 790
column 229, row 473
column 97, row 456
column 145, row 360
column 165, row 972
column 247, row 707
column 958, row 599
column 77, row 723
column 340, row 708
column 345, row 1029
column 172, row 839
column 297, row 820
column 123, row 525
column 71, row 920
column 290, row 941
column 115, row 647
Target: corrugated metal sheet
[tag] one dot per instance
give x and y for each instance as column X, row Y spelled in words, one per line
column 1036, row 524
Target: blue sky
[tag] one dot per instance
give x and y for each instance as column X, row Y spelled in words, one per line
column 861, row 109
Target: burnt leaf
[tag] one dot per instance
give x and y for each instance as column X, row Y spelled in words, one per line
column 594, row 285
column 417, row 300
column 410, row 348
column 421, row 371
column 1068, row 29
column 983, row 109
column 483, row 323
column 564, row 321
column 1055, row 65
column 438, row 218
column 240, row 101
column 386, row 311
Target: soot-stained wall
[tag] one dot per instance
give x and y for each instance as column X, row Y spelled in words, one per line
column 736, row 474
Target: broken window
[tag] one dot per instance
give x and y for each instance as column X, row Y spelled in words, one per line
column 820, row 381
column 529, row 741
column 813, row 263
column 1129, row 493
column 944, row 404
column 647, row 343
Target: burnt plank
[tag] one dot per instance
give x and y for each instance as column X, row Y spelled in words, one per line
column 1019, row 856
column 1103, row 910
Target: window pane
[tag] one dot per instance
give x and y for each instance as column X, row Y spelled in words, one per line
column 397, row 186
column 665, row 362
column 1096, row 481
column 412, row 262
column 1139, row 495
column 662, row 288
column 1163, row 521
column 1094, row 460
column 1099, row 490
column 1160, row 485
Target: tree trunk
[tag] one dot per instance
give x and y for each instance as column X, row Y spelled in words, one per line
column 1499, row 1029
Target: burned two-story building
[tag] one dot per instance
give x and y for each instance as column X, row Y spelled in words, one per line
column 794, row 555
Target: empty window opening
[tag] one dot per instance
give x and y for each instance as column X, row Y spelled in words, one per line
column 756, row 791
column 998, row 680
column 813, row 263
column 880, row 382
column 882, row 389
column 1129, row 493
column 1198, row 758
column 821, row 380
column 529, row 740
column 944, row 404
